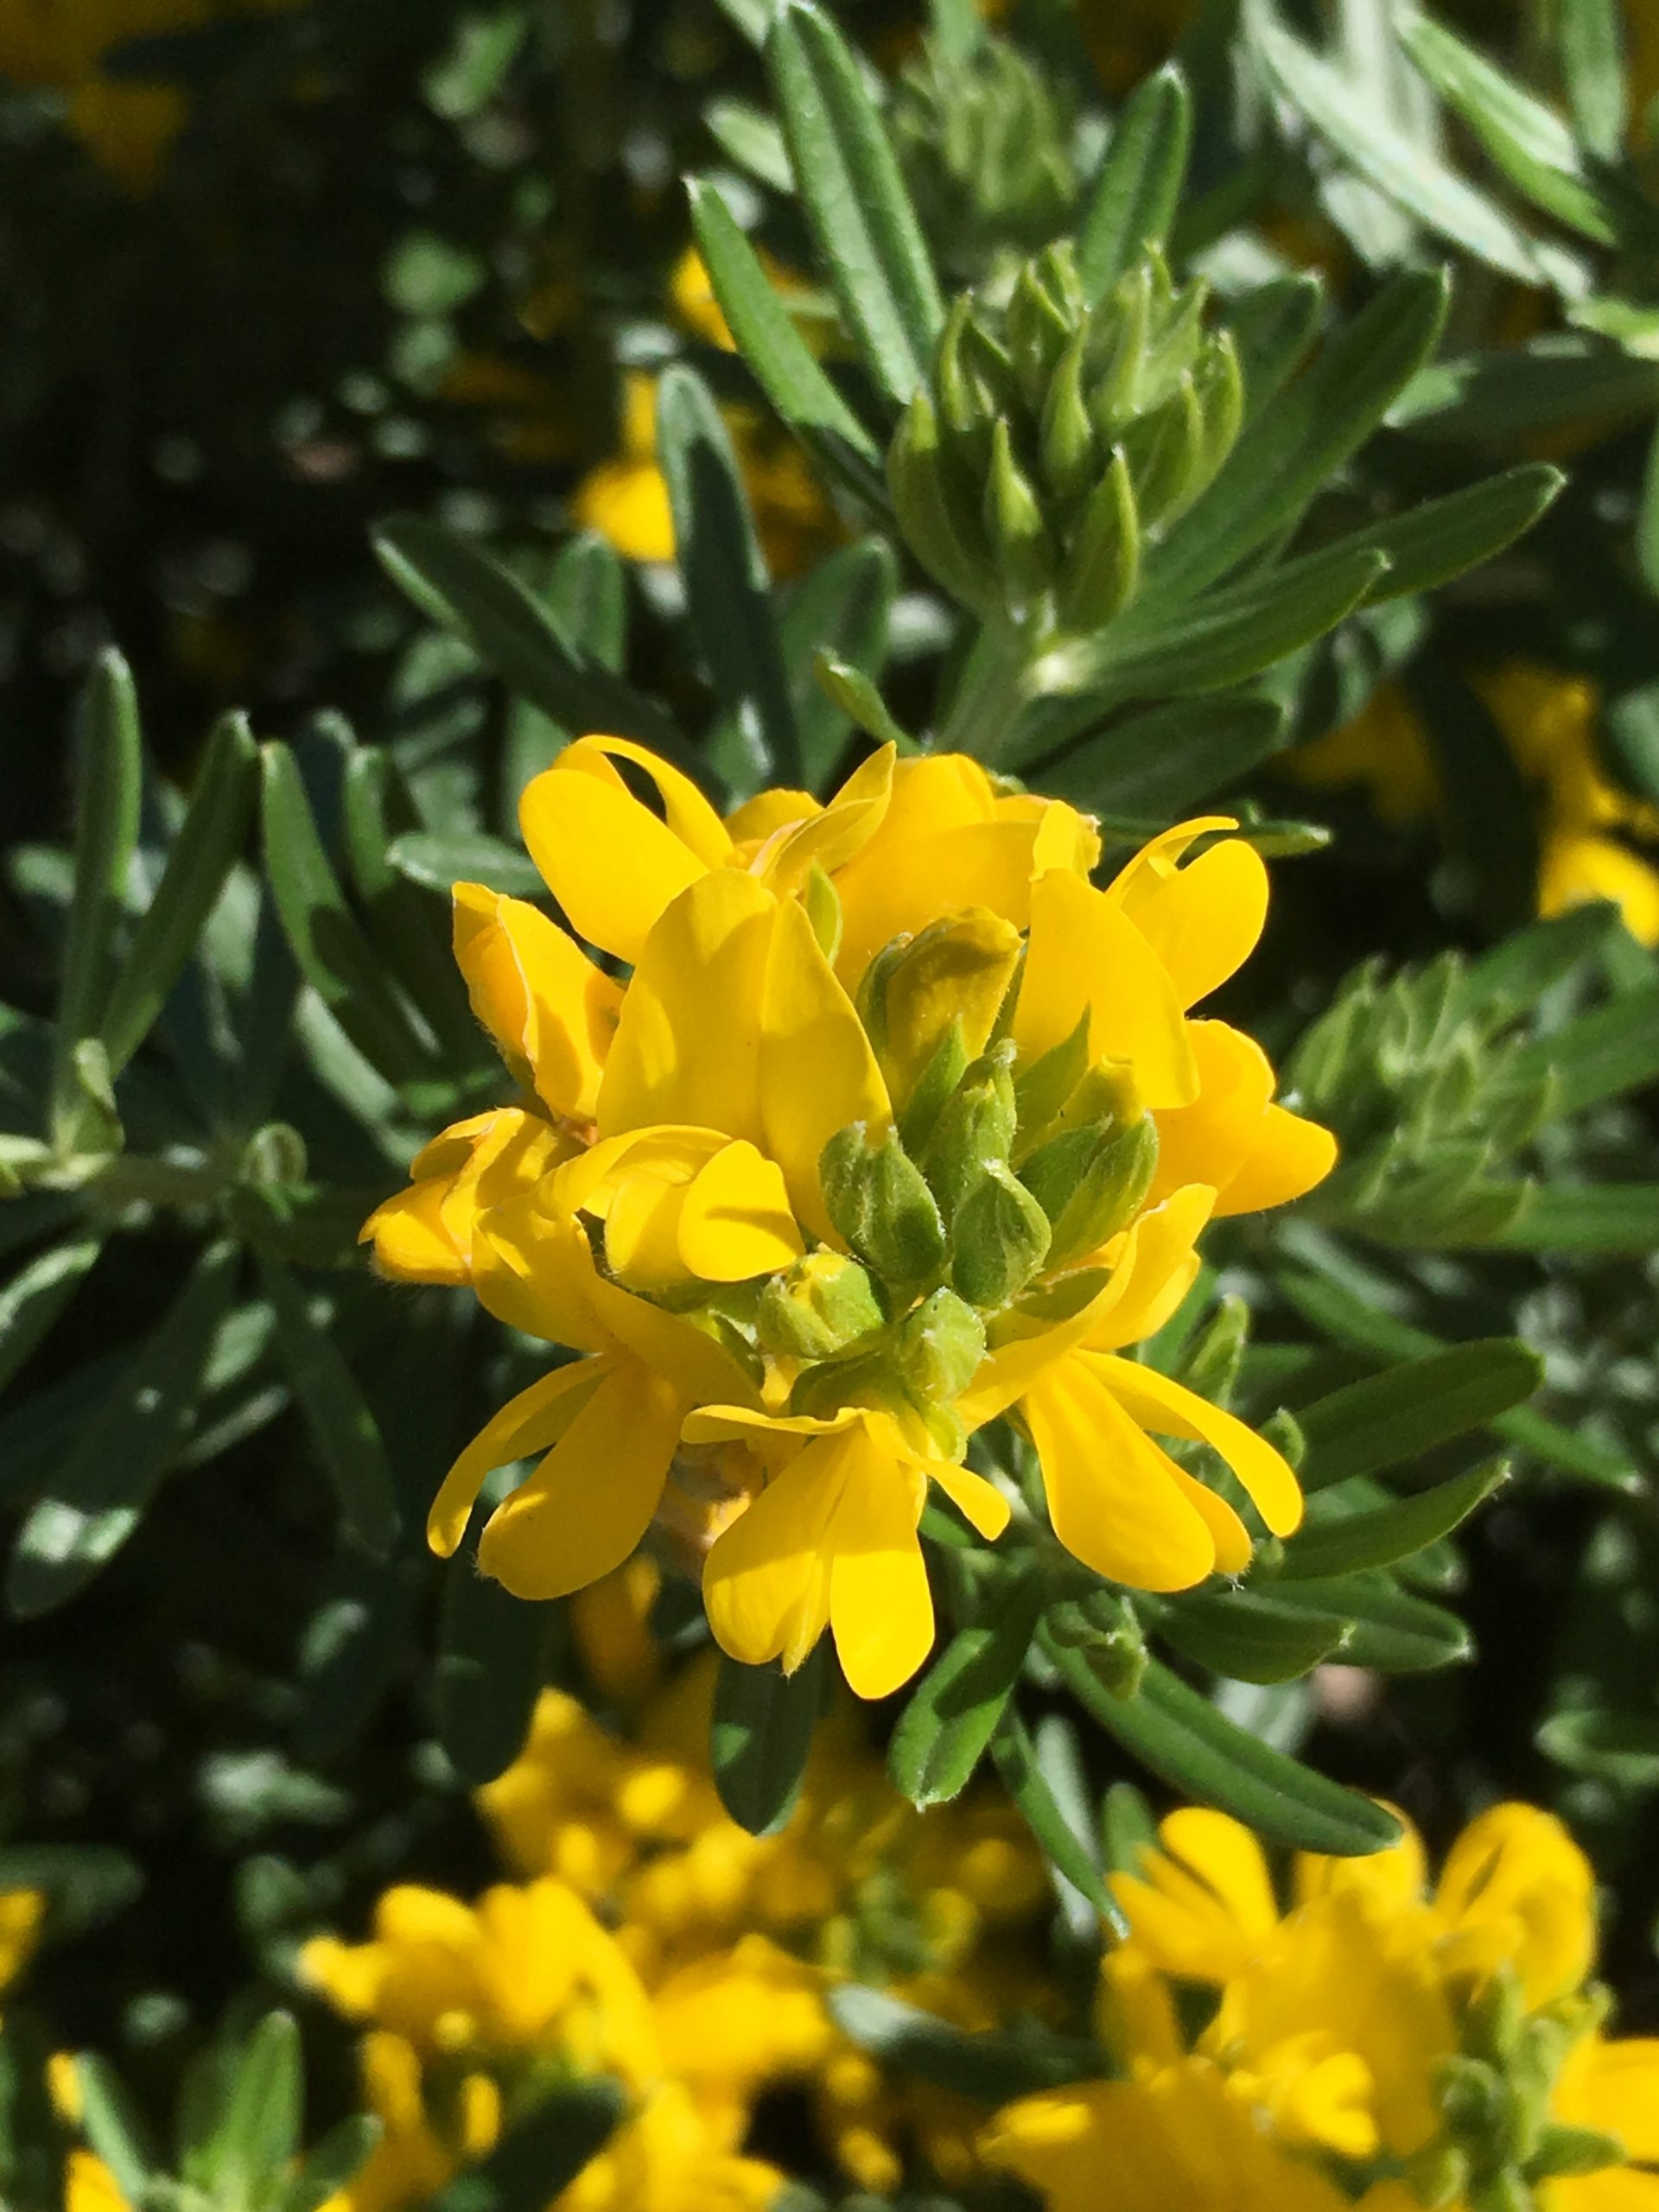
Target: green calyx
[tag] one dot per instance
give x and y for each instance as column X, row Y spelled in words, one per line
column 1057, row 437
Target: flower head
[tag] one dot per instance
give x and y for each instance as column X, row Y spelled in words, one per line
column 898, row 1125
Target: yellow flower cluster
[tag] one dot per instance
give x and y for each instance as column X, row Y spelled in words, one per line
column 652, row 1940
column 1373, row 2042
column 899, row 1125
column 59, row 45
column 1589, row 830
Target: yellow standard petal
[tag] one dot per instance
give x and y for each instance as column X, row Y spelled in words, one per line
column 550, row 1009
column 1086, row 956
column 607, row 858
column 1204, row 920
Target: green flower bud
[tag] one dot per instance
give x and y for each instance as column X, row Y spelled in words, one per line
column 941, row 528
column 1013, row 520
column 973, row 1133
column 1438, row 2176
column 1496, row 2019
column 939, row 1347
column 1043, row 1089
column 1472, row 2096
column 1104, row 566
column 1502, row 2192
column 1070, row 449
column 999, row 1238
column 878, row 1201
column 1562, row 2149
column 1108, row 1634
column 817, row 1308
column 1106, row 1190
column 1211, row 1367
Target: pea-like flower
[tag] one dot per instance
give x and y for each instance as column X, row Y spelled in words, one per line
column 899, row 1125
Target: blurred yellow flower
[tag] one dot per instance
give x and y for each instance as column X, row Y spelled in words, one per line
column 22, row 1913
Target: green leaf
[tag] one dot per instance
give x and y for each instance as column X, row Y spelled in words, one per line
column 1272, row 329
column 1388, row 1629
column 1244, row 1635
column 1180, row 1735
column 1140, row 184
column 1621, row 1748
column 761, row 1738
column 1613, row 1050
column 748, row 137
column 106, row 836
column 988, row 2068
column 491, row 1664
column 540, row 2153
column 85, row 1885
column 1350, row 116
column 1348, row 1543
column 1443, row 538
column 1580, row 1217
column 842, row 608
column 208, row 843
column 858, row 698
column 1647, row 518
column 327, row 940
column 1590, row 37
column 32, row 1299
column 1528, row 141
column 728, row 596
column 336, row 1413
column 1289, row 452
column 1524, row 391
column 1514, row 975
column 260, row 2133
column 334, row 2162
column 1016, row 1762
column 1165, row 761
column 1222, row 639
column 98, row 1495
column 782, row 362
column 854, row 198
column 114, row 2126
column 438, row 861
column 944, row 1729
column 1399, row 1415
column 410, row 932
column 484, row 604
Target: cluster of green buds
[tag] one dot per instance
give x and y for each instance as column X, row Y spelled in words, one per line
column 1058, row 437
column 1498, row 2146
column 985, row 147
column 1429, row 1097
column 982, row 1201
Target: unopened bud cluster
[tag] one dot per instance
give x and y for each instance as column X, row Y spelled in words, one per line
column 1060, row 435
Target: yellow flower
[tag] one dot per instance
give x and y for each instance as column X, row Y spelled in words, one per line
column 89, row 2186
column 673, row 2156
column 22, row 1913
column 422, row 2146
column 1439, row 2040
column 792, row 1329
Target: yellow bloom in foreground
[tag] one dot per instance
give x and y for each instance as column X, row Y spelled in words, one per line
column 785, row 1189
column 1376, row 2040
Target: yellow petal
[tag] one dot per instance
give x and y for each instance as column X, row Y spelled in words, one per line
column 1616, row 2087
column 410, row 1240
column 543, row 1001
column 688, row 813
column 958, row 970
column 1157, row 859
column 585, row 1508
column 1210, row 1141
column 831, row 837
column 687, row 1046
column 767, row 813
column 1111, row 1497
column 700, row 1369
column 817, row 1072
column 1173, row 1410
column 1227, row 1859
column 881, row 1609
column 1086, row 955
column 534, row 1270
column 766, row 1582
column 739, row 1424
column 1204, row 920
column 1065, row 839
column 607, row 860
column 893, row 886
column 1009, row 1371
column 1516, row 1887
column 642, row 1232
column 1158, row 1273
column 735, row 1221
column 980, row 1502
column 1289, row 1157
column 1234, row 1550
column 530, row 1422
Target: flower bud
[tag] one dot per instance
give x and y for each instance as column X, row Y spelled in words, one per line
column 975, row 1127
column 999, row 1238
column 878, row 1201
column 1107, row 1189
column 939, row 1347
column 1104, row 566
column 956, row 971
column 1438, row 2176
column 817, row 1307
column 1110, row 1636
column 1014, row 521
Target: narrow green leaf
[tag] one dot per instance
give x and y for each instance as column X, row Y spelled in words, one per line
column 1574, row 1217
column 858, row 698
column 1354, row 124
column 114, row 2126
column 1647, row 519
column 990, row 2068
column 854, row 198
column 337, row 1414
column 493, row 1655
column 1180, row 1735
column 728, row 593
column 1166, row 761
column 32, row 1299
column 437, row 862
column 1590, row 40
column 260, row 2133
column 106, row 836
column 325, row 936
column 1272, row 328
column 1602, row 1054
column 782, row 362
column 1140, row 184
column 748, row 137
column 1388, row 1629
column 1396, row 1416
column 542, row 2152
column 1621, row 1748
column 842, row 608
column 335, row 2161
column 462, row 587
column 1290, row 451
column 1243, row 1634
column 1443, row 538
column 209, row 841
column 1514, row 975
column 1524, row 391
column 85, row 1885
column 1016, row 1762
column 1348, row 1543
column 98, row 1495
column 761, row 1738
column 944, row 1729
column 410, row 932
